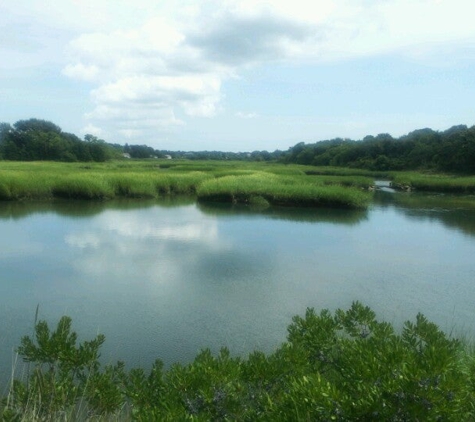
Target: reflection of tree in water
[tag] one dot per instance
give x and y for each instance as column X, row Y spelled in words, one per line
column 454, row 211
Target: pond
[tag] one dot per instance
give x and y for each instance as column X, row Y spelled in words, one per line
column 164, row 279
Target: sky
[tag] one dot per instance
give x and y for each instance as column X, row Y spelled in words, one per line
column 237, row 75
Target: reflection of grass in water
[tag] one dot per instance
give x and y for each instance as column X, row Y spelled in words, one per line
column 297, row 214
column 421, row 200
column 86, row 208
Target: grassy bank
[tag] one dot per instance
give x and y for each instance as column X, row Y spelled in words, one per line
column 266, row 188
column 263, row 183
column 434, row 182
column 259, row 183
column 345, row 366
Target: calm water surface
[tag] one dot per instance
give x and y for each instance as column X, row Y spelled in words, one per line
column 163, row 280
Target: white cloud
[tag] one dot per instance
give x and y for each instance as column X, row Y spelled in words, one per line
column 92, row 130
column 192, row 92
column 168, row 65
column 243, row 115
column 156, row 64
column 81, row 71
column 135, row 120
column 161, row 68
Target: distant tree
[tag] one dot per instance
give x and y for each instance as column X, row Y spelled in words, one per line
column 98, row 148
column 5, row 129
column 36, row 139
column 36, row 125
column 140, row 151
column 32, row 139
column 454, row 130
column 452, row 150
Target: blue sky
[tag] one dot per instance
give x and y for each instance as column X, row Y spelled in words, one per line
column 238, row 75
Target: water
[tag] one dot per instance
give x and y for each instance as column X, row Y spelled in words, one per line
column 165, row 279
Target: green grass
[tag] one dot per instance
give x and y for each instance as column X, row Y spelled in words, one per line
column 83, row 186
column 435, row 182
column 24, row 181
column 363, row 182
column 17, row 184
column 132, row 185
column 344, row 171
column 259, row 184
column 256, row 183
column 280, row 190
column 180, row 183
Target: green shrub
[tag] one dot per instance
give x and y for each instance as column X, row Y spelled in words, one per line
column 345, row 366
column 61, row 372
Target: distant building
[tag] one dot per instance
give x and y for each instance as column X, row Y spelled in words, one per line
column 168, row 157
column 126, row 155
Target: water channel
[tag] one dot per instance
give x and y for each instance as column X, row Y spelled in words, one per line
column 163, row 279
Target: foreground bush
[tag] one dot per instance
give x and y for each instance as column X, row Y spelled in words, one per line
column 345, row 366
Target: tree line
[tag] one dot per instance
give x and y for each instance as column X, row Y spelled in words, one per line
column 452, row 150
column 35, row 139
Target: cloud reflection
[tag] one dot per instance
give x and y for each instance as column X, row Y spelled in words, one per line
column 147, row 244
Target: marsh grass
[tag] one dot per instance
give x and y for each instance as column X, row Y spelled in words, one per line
column 179, row 183
column 344, row 171
column 193, row 166
column 23, row 181
column 233, row 172
column 435, row 182
column 350, row 181
column 132, row 185
column 258, row 184
column 280, row 190
column 19, row 185
column 83, row 186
